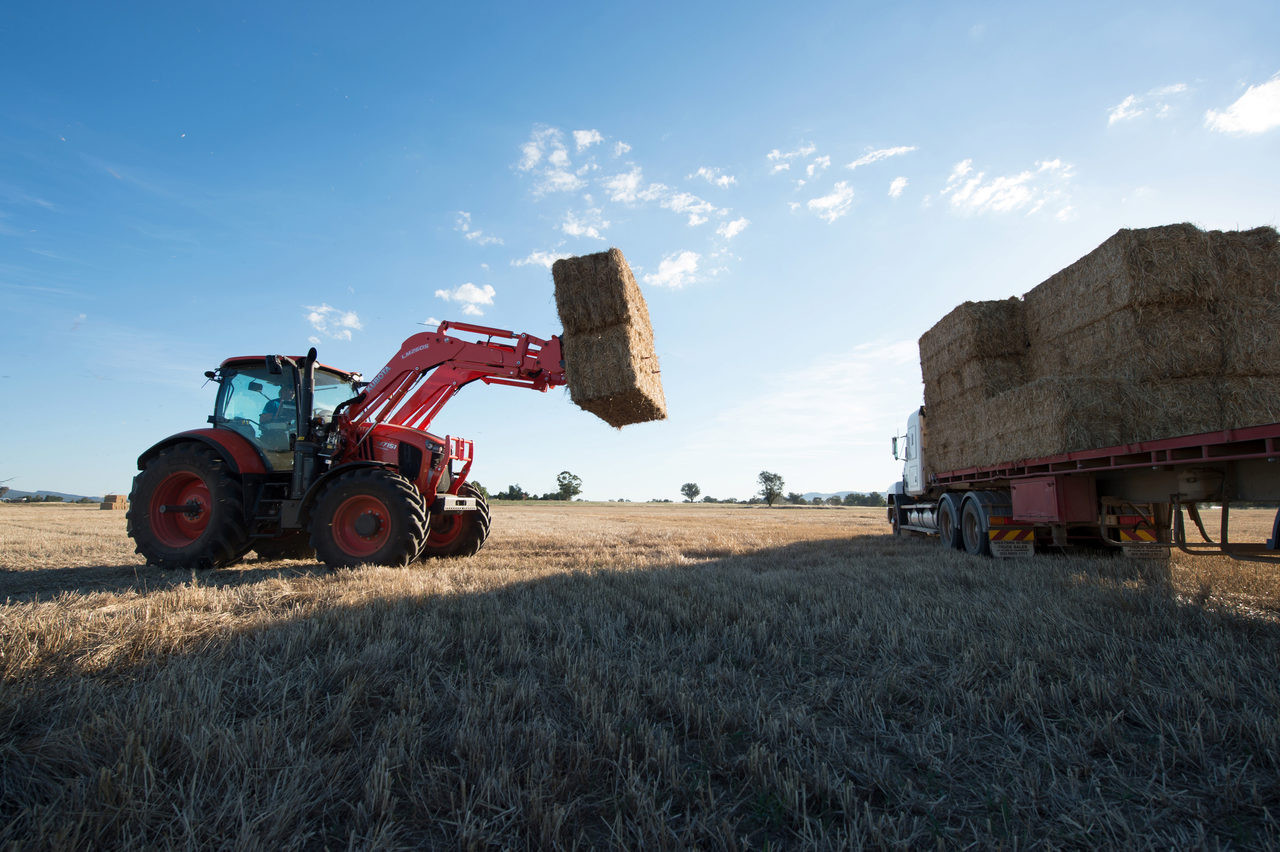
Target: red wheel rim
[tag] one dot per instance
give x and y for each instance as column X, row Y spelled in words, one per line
column 175, row 528
column 361, row 525
column 448, row 528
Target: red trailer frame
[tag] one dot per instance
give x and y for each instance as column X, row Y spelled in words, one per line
column 1068, row 490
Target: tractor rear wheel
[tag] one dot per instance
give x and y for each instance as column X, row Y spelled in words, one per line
column 459, row 533
column 368, row 516
column 186, row 510
column 291, row 545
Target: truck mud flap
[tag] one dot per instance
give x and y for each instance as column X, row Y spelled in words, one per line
column 1146, row 552
column 1009, row 549
column 1011, row 542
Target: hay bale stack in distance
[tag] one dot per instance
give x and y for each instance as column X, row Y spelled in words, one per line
column 610, row 362
column 114, row 501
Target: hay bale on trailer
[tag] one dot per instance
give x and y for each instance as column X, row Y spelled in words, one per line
column 1157, row 332
column 610, row 363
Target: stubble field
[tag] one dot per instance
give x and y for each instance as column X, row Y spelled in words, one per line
column 638, row 676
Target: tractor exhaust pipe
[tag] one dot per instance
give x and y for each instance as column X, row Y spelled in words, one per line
column 305, row 448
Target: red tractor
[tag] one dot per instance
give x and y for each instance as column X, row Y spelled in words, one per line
column 302, row 459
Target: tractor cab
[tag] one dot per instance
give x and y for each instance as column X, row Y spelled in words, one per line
column 260, row 399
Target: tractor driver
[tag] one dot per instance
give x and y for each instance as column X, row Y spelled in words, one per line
column 282, row 410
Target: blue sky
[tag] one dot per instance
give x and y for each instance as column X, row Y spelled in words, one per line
column 800, row 190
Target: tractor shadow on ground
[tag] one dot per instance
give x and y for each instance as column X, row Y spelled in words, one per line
column 46, row 584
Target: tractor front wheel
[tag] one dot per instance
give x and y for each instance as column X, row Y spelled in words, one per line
column 369, row 516
column 459, row 533
column 186, row 510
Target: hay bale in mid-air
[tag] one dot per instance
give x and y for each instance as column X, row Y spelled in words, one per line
column 610, row 362
column 595, row 291
column 613, row 373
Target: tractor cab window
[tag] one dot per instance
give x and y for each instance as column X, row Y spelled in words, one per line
column 261, row 406
column 332, row 389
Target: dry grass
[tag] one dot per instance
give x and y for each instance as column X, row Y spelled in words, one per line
column 637, row 676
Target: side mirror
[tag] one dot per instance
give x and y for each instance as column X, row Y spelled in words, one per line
column 895, row 449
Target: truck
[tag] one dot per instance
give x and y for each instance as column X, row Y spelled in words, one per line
column 1138, row 498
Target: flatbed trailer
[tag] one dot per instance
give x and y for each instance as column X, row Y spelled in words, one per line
column 1137, row 497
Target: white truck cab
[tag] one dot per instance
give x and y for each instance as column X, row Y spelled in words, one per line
column 907, row 448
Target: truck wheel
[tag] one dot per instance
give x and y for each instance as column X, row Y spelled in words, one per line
column 291, row 545
column 973, row 526
column 459, row 533
column 949, row 513
column 186, row 510
column 368, row 516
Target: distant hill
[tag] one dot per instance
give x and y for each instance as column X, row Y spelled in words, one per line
column 15, row 494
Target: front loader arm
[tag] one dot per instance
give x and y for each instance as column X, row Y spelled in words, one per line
column 433, row 366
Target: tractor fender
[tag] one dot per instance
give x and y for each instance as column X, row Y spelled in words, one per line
column 309, row 496
column 240, row 455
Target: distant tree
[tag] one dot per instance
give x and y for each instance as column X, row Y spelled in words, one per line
column 833, row 500
column 851, row 499
column 690, row 490
column 570, row 485
column 795, row 498
column 477, row 486
column 52, row 498
column 770, row 486
column 816, row 501
column 86, row 500
column 4, row 489
column 513, row 492
column 729, row 500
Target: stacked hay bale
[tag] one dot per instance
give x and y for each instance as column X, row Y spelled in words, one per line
column 609, row 359
column 1157, row 332
column 114, row 501
column 973, row 354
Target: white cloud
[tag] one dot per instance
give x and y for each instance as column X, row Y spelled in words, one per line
column 831, row 207
column 1027, row 190
column 782, row 160
column 714, row 177
column 695, row 207
column 675, row 270
column 431, row 321
column 584, row 139
column 628, row 187
column 620, row 148
column 896, row 186
column 480, row 238
column 546, row 157
column 332, row 322
column 470, row 297
column 1256, row 111
column 540, row 258
column 729, row 230
column 880, row 154
column 818, row 164
column 590, row 224
column 1157, row 101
